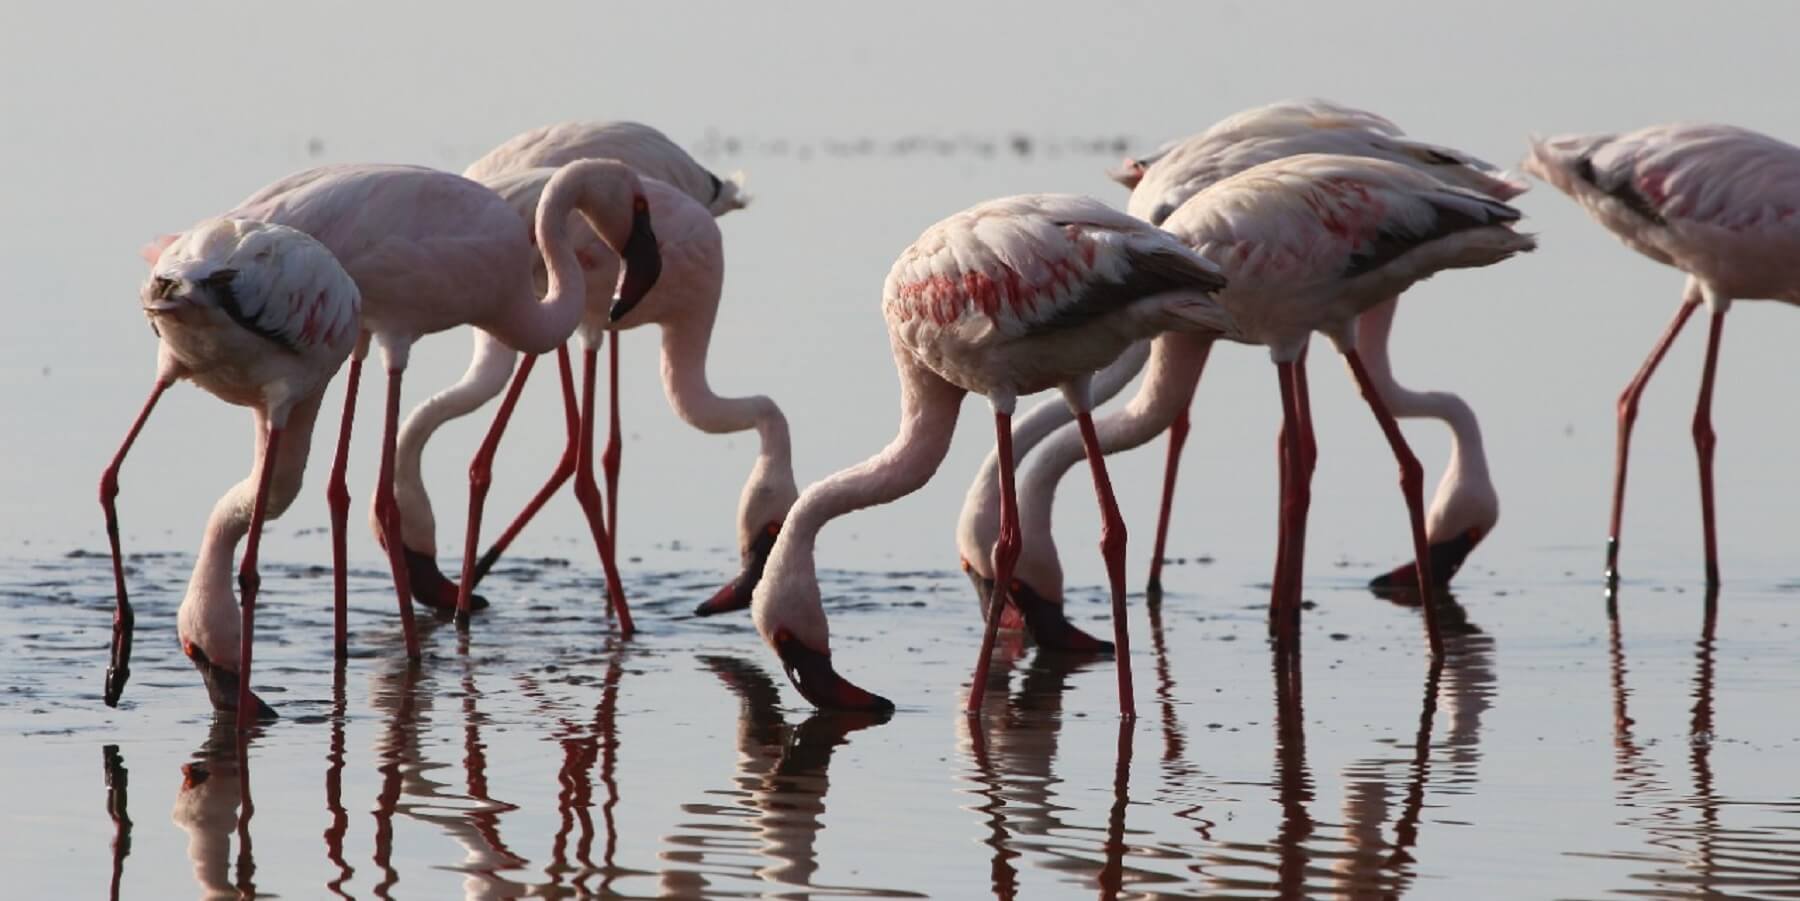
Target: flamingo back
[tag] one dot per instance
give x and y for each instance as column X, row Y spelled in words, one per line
column 639, row 146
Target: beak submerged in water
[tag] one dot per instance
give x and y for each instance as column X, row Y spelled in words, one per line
column 642, row 262
column 1048, row 626
column 984, row 592
column 736, row 594
column 1446, row 558
column 813, row 677
column 222, row 686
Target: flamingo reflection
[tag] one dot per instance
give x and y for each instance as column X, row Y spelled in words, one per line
column 334, row 785
column 585, row 746
column 781, row 784
column 116, row 784
column 214, row 786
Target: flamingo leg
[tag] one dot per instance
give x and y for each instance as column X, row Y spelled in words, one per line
column 1006, row 554
column 337, row 497
column 565, row 468
column 1287, row 445
column 1704, row 442
column 118, row 670
column 387, row 513
column 609, row 458
column 1178, row 432
column 1628, row 409
column 1412, row 484
column 481, row 476
column 587, row 492
column 249, row 581
column 1112, row 548
column 1306, row 456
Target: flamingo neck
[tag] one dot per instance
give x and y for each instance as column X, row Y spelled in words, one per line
column 788, row 595
column 979, row 526
column 770, row 490
column 490, row 366
column 209, row 616
column 1175, row 363
column 553, row 318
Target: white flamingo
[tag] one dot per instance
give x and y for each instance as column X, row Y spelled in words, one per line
column 1717, row 202
column 1009, row 297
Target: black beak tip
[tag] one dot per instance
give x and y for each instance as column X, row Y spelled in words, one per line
column 116, row 678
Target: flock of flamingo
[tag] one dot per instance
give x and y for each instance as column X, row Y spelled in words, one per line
column 1275, row 223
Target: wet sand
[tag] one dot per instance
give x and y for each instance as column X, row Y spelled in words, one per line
column 1558, row 752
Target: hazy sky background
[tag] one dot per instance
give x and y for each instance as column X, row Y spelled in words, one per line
column 129, row 120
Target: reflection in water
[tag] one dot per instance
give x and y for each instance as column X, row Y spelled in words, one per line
column 782, row 779
column 334, row 786
column 1696, row 854
column 213, row 786
column 116, row 779
column 1012, row 752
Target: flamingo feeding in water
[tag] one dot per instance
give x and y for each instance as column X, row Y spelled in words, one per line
column 260, row 315
column 1465, row 506
column 1309, row 243
column 1718, row 202
column 685, row 303
column 1009, row 297
column 427, row 251
column 650, row 153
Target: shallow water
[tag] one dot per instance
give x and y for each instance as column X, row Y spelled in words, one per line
column 1557, row 753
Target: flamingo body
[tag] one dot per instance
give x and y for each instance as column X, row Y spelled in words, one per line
column 645, row 149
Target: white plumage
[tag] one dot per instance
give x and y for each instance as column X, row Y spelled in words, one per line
column 639, row 146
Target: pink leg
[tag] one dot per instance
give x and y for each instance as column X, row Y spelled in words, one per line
column 249, row 581
column 1704, row 441
column 1006, row 554
column 565, row 468
column 1306, row 455
column 481, row 475
column 609, row 459
column 337, row 496
column 1628, row 408
column 387, row 511
column 588, row 493
column 1112, row 548
column 1178, row 432
column 124, row 621
column 1412, row 484
column 1288, row 451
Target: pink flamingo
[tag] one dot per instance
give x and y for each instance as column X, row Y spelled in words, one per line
column 685, row 304
column 427, row 251
column 650, row 153
column 1714, row 201
column 1309, row 243
column 1465, row 506
column 1009, row 297
column 262, row 316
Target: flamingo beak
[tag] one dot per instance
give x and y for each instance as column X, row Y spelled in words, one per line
column 984, row 591
column 1446, row 558
column 1048, row 626
column 642, row 260
column 222, row 686
column 431, row 587
column 1128, row 173
column 813, row 677
column 736, row 593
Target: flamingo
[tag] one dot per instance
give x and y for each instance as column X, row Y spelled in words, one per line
column 260, row 315
column 685, row 304
column 650, row 153
column 426, row 251
column 1465, row 506
column 1309, row 243
column 1009, row 297
column 1714, row 201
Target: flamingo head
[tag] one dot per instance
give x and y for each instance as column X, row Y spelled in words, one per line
column 1044, row 619
column 641, row 258
column 1128, row 172
column 222, row 683
column 737, row 593
column 1465, row 513
column 814, row 677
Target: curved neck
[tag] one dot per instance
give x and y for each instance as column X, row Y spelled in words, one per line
column 1176, row 361
column 211, row 601
column 1468, row 457
column 490, row 366
column 979, row 525
column 565, row 298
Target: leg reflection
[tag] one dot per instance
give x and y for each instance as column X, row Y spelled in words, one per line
column 116, row 779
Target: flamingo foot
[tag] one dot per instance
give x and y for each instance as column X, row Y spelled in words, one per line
column 431, row 588
column 1050, row 628
column 816, row 680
